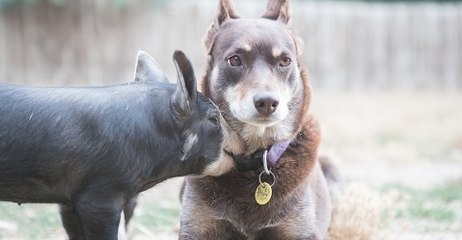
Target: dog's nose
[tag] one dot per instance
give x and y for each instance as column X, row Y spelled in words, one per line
column 265, row 103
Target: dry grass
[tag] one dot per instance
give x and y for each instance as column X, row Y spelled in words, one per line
column 359, row 214
column 382, row 138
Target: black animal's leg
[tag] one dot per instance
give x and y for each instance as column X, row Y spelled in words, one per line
column 100, row 215
column 129, row 208
column 99, row 222
column 71, row 222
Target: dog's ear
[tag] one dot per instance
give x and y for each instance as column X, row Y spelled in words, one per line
column 185, row 96
column 277, row 10
column 147, row 69
column 226, row 11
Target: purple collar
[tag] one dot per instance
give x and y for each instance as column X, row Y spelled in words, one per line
column 275, row 152
column 254, row 162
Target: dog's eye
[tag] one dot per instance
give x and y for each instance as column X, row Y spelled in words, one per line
column 234, row 61
column 285, row 62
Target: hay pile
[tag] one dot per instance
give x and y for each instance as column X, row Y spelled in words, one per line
column 360, row 213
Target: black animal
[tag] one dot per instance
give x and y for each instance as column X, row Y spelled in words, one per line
column 94, row 149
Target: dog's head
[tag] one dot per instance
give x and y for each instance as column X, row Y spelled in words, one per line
column 254, row 74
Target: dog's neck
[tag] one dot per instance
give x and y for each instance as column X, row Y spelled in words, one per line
column 260, row 158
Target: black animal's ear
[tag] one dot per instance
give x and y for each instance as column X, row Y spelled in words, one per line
column 226, row 11
column 277, row 10
column 147, row 69
column 185, row 96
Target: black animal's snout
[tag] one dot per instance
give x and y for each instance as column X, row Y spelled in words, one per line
column 266, row 103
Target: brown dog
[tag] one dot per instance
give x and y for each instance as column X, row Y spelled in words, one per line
column 276, row 189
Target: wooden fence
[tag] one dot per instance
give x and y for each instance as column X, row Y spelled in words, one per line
column 348, row 45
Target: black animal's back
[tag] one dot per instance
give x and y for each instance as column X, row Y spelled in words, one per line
column 67, row 125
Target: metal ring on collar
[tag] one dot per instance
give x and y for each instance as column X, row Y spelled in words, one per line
column 270, row 173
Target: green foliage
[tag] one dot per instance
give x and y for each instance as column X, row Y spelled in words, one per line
column 58, row 2
column 11, row 3
column 395, row 1
column 126, row 3
column 4, row 4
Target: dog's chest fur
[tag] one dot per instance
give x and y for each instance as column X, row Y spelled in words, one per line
column 231, row 197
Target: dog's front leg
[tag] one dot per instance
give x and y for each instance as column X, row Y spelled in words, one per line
column 209, row 229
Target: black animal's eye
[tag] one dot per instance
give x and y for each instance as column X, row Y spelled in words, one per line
column 235, row 61
column 214, row 119
column 285, row 62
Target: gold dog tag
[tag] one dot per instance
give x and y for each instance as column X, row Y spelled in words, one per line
column 263, row 193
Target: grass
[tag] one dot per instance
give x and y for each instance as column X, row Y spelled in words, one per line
column 42, row 221
column 29, row 221
column 435, row 204
column 154, row 218
column 362, row 212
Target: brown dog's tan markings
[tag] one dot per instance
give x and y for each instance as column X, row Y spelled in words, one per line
column 256, row 78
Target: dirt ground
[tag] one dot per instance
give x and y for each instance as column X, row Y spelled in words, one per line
column 400, row 155
column 411, row 138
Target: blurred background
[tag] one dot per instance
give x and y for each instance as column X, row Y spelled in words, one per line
column 387, row 83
